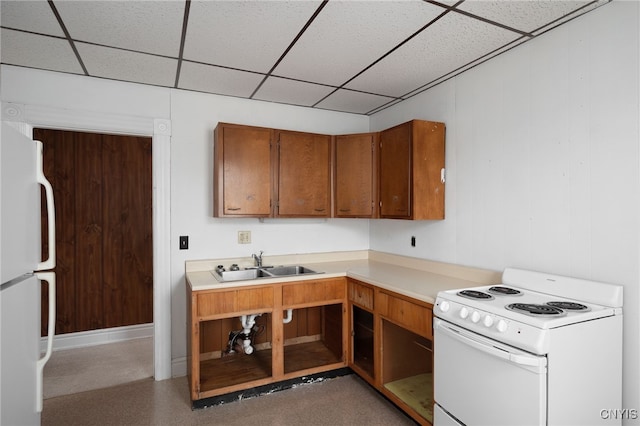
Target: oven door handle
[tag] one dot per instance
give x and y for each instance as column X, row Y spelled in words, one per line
column 487, row 347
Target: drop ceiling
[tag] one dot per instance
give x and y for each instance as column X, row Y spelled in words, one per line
column 344, row 55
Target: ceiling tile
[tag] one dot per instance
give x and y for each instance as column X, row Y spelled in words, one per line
column 470, row 65
column 526, row 16
column 124, row 65
column 35, row 16
column 448, row 44
column 250, row 35
column 355, row 102
column 293, row 92
column 36, row 51
column 222, row 81
column 348, row 36
column 144, row 26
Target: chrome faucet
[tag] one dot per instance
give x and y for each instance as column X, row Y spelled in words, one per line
column 257, row 259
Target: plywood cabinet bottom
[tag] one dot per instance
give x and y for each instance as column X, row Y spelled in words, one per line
column 236, row 369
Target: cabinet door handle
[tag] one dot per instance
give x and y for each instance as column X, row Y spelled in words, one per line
column 345, row 210
column 319, row 210
column 233, row 209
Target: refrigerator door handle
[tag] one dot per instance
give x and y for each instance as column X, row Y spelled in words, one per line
column 50, row 263
column 50, row 278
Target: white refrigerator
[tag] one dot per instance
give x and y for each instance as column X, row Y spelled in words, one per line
column 22, row 272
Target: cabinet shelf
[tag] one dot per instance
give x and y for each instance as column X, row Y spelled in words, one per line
column 416, row 391
column 304, row 356
column 234, row 369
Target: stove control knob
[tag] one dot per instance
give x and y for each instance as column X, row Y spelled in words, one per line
column 488, row 321
column 475, row 316
column 502, row 326
column 464, row 312
column 444, row 306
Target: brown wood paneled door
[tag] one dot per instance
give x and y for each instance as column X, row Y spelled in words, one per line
column 104, row 236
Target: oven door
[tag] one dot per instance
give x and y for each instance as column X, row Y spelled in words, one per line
column 479, row 381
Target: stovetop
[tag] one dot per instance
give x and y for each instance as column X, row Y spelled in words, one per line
column 524, row 310
column 537, row 309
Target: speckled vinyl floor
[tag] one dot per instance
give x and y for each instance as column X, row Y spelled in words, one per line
column 345, row 400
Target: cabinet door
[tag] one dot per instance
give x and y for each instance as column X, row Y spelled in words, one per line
column 395, row 172
column 411, row 165
column 428, row 163
column 355, row 175
column 242, row 171
column 304, row 175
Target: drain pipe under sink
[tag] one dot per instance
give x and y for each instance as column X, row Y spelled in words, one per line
column 248, row 321
column 289, row 317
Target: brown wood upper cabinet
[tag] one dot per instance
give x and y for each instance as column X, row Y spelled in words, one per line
column 395, row 174
column 355, row 175
column 243, row 166
column 411, row 167
column 303, row 174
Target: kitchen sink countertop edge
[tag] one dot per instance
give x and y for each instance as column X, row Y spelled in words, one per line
column 412, row 277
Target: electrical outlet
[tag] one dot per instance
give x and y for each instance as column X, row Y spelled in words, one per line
column 244, row 237
column 184, row 242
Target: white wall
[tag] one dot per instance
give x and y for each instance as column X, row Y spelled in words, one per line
column 542, row 163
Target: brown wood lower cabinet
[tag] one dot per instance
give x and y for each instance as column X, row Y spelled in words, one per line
column 391, row 347
column 308, row 327
column 295, row 329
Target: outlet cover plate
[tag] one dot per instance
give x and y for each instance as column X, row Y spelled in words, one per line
column 244, row 237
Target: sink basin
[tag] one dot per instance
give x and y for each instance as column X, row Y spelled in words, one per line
column 267, row 272
column 291, row 270
column 241, row 275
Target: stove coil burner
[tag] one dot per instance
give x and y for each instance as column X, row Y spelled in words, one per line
column 569, row 306
column 504, row 291
column 475, row 294
column 536, row 310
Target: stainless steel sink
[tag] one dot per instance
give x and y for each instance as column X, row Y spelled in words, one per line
column 290, row 270
column 266, row 272
column 241, row 275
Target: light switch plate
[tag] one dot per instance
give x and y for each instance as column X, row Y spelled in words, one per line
column 184, row 242
column 244, row 237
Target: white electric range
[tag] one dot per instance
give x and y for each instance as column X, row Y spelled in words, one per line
column 536, row 349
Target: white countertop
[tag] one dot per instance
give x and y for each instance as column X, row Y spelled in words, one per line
column 417, row 278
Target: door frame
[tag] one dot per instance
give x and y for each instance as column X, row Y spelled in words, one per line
column 25, row 117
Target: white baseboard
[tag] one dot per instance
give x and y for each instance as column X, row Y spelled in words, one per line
column 98, row 337
column 179, row 367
